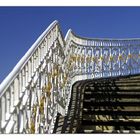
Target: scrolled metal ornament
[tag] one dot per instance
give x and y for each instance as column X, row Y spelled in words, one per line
column 82, row 58
column 70, row 60
column 64, row 81
column 101, row 58
column 41, row 107
column 78, row 57
column 32, row 126
column 93, row 59
column 88, row 59
column 120, row 57
column 111, row 58
column 73, row 58
column 47, row 89
column 34, row 109
column 55, row 73
column 70, row 66
column 130, row 56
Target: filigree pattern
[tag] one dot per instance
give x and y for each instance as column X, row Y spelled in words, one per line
column 40, row 86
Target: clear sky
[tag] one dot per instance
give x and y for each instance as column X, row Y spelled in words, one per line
column 21, row 26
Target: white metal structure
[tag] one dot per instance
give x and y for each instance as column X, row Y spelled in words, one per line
column 40, row 84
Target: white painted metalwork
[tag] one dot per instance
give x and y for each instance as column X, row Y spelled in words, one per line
column 40, row 84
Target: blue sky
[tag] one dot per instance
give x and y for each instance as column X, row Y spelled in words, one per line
column 21, row 26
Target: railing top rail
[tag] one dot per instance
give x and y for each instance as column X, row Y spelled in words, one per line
column 68, row 34
column 6, row 82
column 102, row 39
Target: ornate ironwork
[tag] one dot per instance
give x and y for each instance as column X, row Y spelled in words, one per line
column 40, row 84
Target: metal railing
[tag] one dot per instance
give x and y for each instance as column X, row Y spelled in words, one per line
column 40, row 84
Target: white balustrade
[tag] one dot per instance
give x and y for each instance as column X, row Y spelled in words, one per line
column 40, row 84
